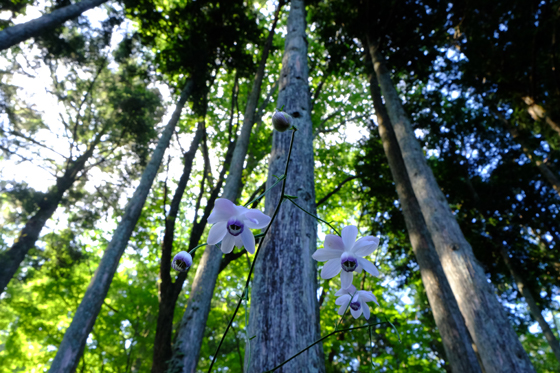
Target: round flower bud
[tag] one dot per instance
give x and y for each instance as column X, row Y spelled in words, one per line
column 281, row 121
column 182, row 261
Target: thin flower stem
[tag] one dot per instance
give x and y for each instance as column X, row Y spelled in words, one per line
column 320, row 340
column 197, row 247
column 316, row 217
column 258, row 251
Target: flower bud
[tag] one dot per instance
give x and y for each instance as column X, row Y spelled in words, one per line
column 281, row 121
column 182, row 261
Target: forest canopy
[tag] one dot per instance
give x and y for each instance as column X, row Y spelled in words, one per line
column 289, row 186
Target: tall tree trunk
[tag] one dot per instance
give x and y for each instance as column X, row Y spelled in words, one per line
column 73, row 343
column 284, row 314
column 18, row 33
column 538, row 113
column 12, row 258
column 543, row 168
column 533, row 307
column 186, row 350
column 169, row 294
column 167, row 298
column 451, row 325
column 496, row 341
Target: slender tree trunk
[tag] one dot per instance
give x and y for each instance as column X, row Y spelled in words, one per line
column 543, row 168
column 533, row 307
column 73, row 343
column 167, row 298
column 496, row 341
column 12, row 258
column 451, row 325
column 18, row 33
column 284, row 314
column 538, row 113
column 186, row 350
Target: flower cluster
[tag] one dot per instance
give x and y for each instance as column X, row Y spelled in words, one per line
column 345, row 255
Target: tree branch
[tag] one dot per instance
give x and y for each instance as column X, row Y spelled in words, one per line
column 335, row 190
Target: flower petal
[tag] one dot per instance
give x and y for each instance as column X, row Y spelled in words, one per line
column 346, row 279
column 331, row 268
column 343, row 308
column 349, row 235
column 238, row 242
column 223, row 210
column 255, row 219
column 322, row 255
column 368, row 267
column 217, row 233
column 248, row 240
column 227, row 244
column 350, row 290
column 356, row 313
column 365, row 246
column 343, row 299
column 334, row 242
column 367, row 296
column 365, row 309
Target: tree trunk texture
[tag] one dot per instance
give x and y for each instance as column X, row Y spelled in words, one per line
column 533, row 307
column 450, row 323
column 543, row 168
column 284, row 316
column 538, row 113
column 167, row 297
column 18, row 33
column 186, row 349
column 12, row 258
column 73, row 343
column 495, row 339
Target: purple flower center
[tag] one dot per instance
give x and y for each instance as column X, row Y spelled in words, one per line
column 355, row 305
column 181, row 264
column 234, row 227
column 348, row 263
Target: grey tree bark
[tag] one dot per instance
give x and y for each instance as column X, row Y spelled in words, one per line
column 12, row 258
column 533, row 307
column 74, row 340
column 450, row 323
column 496, row 341
column 284, row 314
column 186, row 349
column 18, row 33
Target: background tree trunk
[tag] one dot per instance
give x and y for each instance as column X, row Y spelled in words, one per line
column 18, row 33
column 533, row 307
column 186, row 350
column 72, row 346
column 167, row 298
column 450, row 323
column 284, row 314
column 12, row 258
column 496, row 341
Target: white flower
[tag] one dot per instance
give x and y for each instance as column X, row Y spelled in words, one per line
column 182, row 261
column 346, row 254
column 357, row 299
column 231, row 225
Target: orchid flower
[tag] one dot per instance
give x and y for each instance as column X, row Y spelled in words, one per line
column 357, row 299
column 182, row 261
column 346, row 254
column 232, row 225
